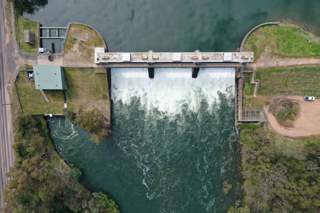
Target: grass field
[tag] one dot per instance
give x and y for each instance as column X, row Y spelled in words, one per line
column 87, row 89
column 289, row 81
column 22, row 24
column 32, row 102
column 284, row 40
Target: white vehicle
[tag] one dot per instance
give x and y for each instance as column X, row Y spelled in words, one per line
column 309, row 98
column 41, row 50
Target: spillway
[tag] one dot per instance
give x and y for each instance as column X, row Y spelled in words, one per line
column 171, row 88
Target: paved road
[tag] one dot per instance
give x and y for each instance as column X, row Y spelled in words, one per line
column 6, row 62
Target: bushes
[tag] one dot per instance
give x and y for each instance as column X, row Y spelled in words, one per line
column 285, row 111
column 279, row 177
column 92, row 121
column 28, row 6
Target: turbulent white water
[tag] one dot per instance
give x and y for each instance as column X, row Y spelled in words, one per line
column 171, row 87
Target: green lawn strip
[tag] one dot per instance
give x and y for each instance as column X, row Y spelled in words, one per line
column 248, row 87
column 32, row 102
column 279, row 174
column 85, row 86
column 289, row 81
column 285, row 40
column 248, row 100
column 22, row 24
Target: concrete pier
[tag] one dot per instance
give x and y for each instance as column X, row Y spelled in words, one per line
column 102, row 57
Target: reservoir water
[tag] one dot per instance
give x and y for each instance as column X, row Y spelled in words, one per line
column 176, row 25
column 173, row 146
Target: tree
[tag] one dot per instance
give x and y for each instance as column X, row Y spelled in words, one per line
column 92, row 121
column 28, row 6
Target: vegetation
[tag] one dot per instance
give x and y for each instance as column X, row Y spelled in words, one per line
column 281, row 175
column 31, row 100
column 88, row 100
column 94, row 122
column 28, row 6
column 248, row 87
column 249, row 101
column 41, row 182
column 285, row 111
column 289, row 81
column 23, row 24
column 80, row 43
column 87, row 88
column 285, row 40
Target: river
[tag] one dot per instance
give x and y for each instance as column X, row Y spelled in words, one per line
column 173, row 146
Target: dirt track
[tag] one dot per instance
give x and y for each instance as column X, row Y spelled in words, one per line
column 267, row 59
column 307, row 123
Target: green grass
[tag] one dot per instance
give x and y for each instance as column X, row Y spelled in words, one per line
column 88, row 100
column 22, row 24
column 31, row 100
column 86, row 88
column 289, row 81
column 285, row 40
column 248, row 100
column 248, row 87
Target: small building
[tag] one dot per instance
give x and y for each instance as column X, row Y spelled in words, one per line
column 29, row 37
column 49, row 77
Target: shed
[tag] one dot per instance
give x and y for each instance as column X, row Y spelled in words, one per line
column 29, row 37
column 49, row 77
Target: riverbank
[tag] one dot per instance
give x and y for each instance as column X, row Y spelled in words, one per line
column 277, row 170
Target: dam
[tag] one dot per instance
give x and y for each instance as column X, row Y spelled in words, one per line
column 197, row 61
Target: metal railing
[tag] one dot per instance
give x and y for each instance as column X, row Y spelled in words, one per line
column 252, row 115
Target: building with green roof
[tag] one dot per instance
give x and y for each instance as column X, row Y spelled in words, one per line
column 49, row 77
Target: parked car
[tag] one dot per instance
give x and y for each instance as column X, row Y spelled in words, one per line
column 309, row 98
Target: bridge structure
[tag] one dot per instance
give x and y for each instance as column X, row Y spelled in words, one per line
column 177, row 59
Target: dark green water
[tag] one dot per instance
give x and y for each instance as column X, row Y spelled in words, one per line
column 184, row 25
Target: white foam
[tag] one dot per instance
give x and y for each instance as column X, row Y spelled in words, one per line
column 171, row 87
